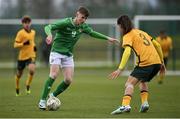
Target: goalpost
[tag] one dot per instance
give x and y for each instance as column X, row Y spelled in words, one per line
column 139, row 18
column 112, row 31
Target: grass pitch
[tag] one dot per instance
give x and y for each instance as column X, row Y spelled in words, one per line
column 91, row 95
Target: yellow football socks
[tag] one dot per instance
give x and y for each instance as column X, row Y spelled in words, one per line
column 28, row 82
column 126, row 100
column 144, row 96
column 17, row 85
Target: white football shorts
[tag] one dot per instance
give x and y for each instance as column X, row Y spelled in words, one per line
column 60, row 59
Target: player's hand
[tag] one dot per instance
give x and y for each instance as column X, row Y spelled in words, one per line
column 26, row 42
column 163, row 69
column 115, row 74
column 113, row 40
column 49, row 39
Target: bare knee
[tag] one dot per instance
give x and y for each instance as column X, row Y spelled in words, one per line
column 31, row 72
column 53, row 75
column 68, row 80
column 68, row 75
column 129, row 86
column 19, row 73
column 31, row 68
column 129, row 89
column 54, row 71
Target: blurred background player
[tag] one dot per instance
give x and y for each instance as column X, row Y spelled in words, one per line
column 68, row 33
column 150, row 61
column 24, row 41
column 166, row 44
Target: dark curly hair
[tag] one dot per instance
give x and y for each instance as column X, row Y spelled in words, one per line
column 26, row 19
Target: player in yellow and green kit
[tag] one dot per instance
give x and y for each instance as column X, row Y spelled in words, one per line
column 24, row 41
column 149, row 62
column 166, row 44
column 68, row 32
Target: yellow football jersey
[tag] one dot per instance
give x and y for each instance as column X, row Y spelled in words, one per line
column 141, row 44
column 166, row 45
column 25, row 51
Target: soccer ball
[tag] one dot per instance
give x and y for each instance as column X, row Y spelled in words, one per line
column 53, row 104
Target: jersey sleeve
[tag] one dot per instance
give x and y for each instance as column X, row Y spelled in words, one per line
column 59, row 24
column 125, row 57
column 98, row 35
column 88, row 30
column 55, row 26
column 127, row 41
column 18, row 41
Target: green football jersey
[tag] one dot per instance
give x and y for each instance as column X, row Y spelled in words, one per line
column 67, row 34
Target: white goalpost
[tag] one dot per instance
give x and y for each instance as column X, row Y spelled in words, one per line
column 139, row 18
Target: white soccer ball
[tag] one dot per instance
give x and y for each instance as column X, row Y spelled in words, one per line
column 53, row 104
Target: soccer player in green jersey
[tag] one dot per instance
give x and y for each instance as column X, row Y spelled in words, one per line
column 68, row 33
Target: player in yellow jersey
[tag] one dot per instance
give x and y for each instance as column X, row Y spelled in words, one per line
column 24, row 41
column 150, row 61
column 166, row 44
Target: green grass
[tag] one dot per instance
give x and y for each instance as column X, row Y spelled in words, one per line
column 90, row 95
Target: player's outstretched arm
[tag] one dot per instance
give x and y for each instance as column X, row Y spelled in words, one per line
column 103, row 37
column 113, row 40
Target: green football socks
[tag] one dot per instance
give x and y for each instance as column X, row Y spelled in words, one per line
column 47, row 88
column 63, row 86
